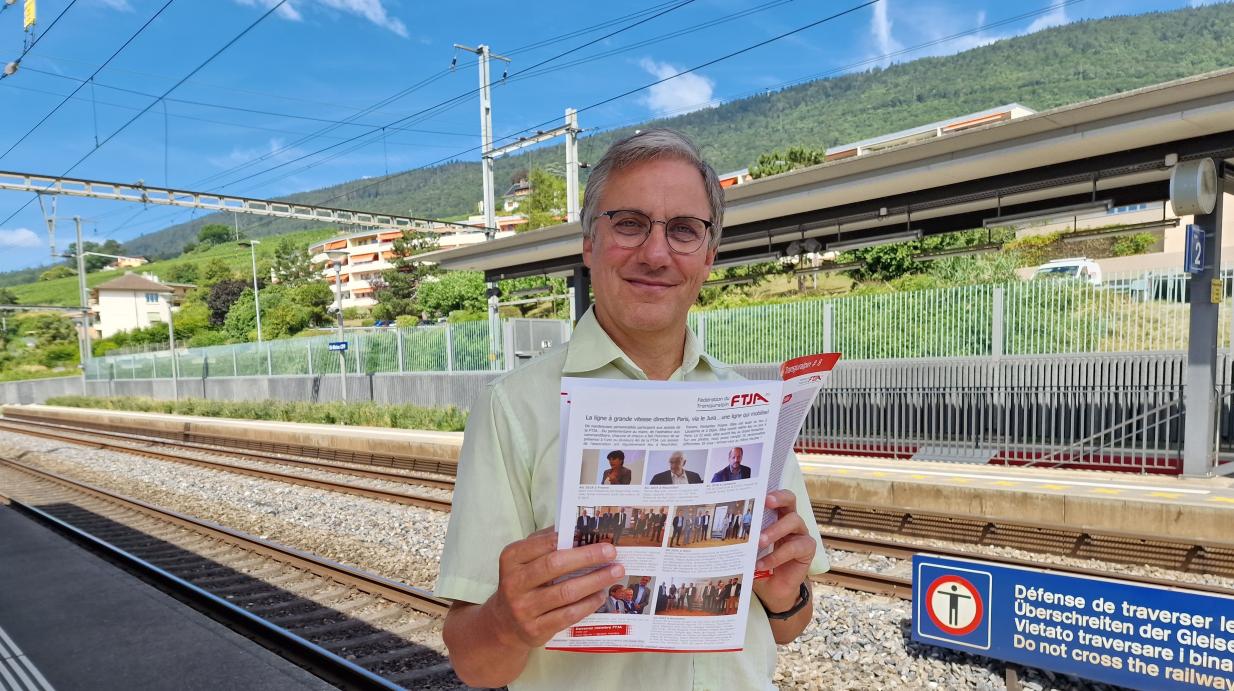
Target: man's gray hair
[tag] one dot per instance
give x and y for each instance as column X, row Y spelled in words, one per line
column 649, row 145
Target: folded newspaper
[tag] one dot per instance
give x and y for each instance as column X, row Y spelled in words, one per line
column 675, row 475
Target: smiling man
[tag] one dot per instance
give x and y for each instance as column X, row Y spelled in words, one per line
column 652, row 218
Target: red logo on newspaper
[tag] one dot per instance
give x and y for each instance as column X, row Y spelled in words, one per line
column 600, row 630
column 742, row 400
column 787, row 397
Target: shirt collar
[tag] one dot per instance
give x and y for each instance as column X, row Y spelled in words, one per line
column 591, row 348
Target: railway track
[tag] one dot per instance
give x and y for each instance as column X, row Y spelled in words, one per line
column 200, row 455
column 442, row 469
column 895, row 583
column 1132, row 549
column 354, row 627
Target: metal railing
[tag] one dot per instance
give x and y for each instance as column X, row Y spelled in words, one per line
column 1128, row 313
column 1135, row 427
column 439, row 348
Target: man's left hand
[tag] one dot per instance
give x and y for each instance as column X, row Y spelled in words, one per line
column 789, row 561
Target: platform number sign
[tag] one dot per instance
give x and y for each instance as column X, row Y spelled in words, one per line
column 1194, row 259
column 954, row 606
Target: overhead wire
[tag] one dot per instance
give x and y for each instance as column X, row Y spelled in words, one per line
column 468, row 93
column 875, row 59
column 629, row 92
column 450, row 104
column 90, row 79
column 145, row 110
column 242, row 109
column 39, row 37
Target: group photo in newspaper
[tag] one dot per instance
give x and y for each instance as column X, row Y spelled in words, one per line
column 675, row 475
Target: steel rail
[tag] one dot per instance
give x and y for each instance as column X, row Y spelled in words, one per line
column 285, row 643
column 247, row 455
column 417, row 598
column 414, row 463
column 341, row 487
column 901, row 550
column 1193, row 556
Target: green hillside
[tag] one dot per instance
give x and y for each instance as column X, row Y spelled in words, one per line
column 1044, row 70
column 63, row 291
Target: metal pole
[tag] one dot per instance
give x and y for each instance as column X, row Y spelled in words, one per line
column 572, row 166
column 1200, row 378
column 996, row 323
column 449, row 347
column 486, row 134
column 256, row 301
column 486, row 144
column 342, row 337
column 85, row 300
column 171, row 340
column 398, row 339
column 494, row 323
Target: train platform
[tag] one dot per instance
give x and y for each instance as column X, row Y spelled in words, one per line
column 1200, row 509
column 70, row 620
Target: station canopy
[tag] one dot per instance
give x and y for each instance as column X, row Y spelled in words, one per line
column 1116, row 150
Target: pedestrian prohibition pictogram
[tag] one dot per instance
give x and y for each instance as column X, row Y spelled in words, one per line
column 952, row 604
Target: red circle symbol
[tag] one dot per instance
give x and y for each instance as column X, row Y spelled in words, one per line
column 955, row 596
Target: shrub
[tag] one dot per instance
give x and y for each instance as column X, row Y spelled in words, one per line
column 448, row 419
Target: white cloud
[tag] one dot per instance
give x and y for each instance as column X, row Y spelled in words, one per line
column 683, row 94
column 1057, row 16
column 272, row 152
column 372, row 10
column 21, row 237
column 880, row 26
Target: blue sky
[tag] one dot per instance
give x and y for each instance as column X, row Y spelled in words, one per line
column 315, row 63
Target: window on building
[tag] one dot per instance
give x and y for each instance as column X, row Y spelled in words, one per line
column 154, row 317
column 152, row 297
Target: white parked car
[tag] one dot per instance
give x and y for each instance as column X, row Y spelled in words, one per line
column 1076, row 268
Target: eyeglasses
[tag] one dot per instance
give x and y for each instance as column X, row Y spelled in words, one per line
column 685, row 234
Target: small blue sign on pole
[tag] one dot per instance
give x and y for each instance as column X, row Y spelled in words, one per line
column 1194, row 258
column 338, row 345
column 1138, row 636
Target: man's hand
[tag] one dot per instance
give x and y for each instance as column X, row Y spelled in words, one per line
column 789, row 560
column 490, row 643
column 528, row 607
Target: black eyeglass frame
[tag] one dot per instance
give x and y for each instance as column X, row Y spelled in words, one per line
column 707, row 226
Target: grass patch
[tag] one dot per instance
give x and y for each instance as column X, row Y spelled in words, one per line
column 448, row 419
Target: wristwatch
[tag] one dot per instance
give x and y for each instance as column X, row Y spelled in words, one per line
column 803, row 597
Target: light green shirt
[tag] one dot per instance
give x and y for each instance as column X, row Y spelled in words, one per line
column 507, row 489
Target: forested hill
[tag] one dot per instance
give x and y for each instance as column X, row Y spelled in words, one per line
column 1049, row 68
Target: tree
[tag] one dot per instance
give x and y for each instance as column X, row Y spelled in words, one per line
column 92, row 262
column 292, row 265
column 215, row 271
column 223, row 295
column 453, row 290
column 7, row 297
column 216, row 234
column 56, row 272
column 547, row 202
column 783, row 161
column 183, row 272
column 398, row 289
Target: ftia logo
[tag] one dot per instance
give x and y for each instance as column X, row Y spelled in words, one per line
column 744, row 400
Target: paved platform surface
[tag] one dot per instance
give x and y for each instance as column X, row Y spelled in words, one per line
column 81, row 623
column 1174, row 507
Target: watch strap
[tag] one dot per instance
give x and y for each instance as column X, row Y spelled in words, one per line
column 803, row 597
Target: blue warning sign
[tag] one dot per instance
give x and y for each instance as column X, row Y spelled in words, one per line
column 1123, row 633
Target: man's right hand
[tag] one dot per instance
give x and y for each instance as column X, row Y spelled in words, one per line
column 529, row 608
